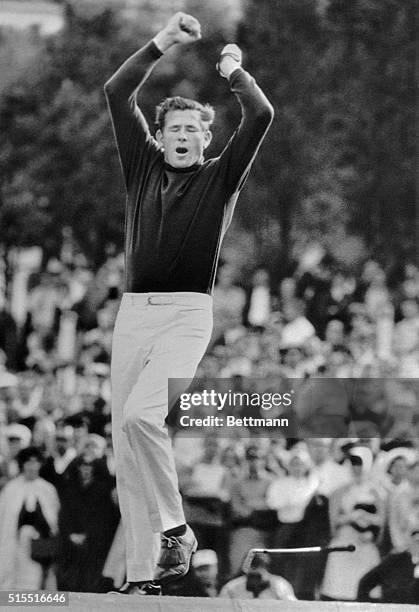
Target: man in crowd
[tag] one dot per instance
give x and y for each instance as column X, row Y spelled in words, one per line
column 258, row 583
column 397, row 575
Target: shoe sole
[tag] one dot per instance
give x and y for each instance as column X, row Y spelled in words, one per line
column 171, row 579
column 156, row 588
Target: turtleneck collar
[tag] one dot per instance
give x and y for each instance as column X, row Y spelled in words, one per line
column 192, row 168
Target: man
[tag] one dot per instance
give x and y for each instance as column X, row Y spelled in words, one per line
column 178, row 209
column 397, row 574
column 55, row 466
column 251, row 518
column 402, row 506
column 258, row 583
column 201, row 580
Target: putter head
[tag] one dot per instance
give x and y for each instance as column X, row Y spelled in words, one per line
column 249, row 558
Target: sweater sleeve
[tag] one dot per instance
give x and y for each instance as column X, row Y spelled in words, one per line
column 370, row 580
column 130, row 127
column 257, row 115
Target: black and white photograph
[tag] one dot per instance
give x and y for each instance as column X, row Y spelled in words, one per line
column 209, row 305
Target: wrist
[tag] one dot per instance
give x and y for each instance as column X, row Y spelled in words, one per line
column 162, row 41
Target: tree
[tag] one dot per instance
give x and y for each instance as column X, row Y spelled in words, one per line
column 342, row 84
column 58, row 159
column 282, row 40
column 374, row 43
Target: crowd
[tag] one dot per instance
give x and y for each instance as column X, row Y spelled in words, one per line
column 59, row 519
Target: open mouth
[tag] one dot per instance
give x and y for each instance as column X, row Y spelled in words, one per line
column 181, row 150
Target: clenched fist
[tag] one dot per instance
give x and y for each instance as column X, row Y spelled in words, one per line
column 230, row 59
column 181, row 28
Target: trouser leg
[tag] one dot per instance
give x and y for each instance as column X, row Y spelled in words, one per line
column 147, row 350
column 177, row 349
column 141, row 543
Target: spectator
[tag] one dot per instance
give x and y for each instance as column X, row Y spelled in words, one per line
column 18, row 437
column 290, row 497
column 394, row 482
column 55, row 466
column 314, row 287
column 229, row 302
column 80, row 425
column 258, row 306
column 8, row 336
column 315, row 528
column 258, row 583
column 331, row 475
column 287, row 291
column 397, row 575
column 87, row 521
column 357, row 515
column 206, row 496
column 251, row 518
column 8, row 383
column 406, row 333
column 201, row 580
column 297, row 329
column 334, row 335
column 28, row 510
column 402, row 507
column 377, row 294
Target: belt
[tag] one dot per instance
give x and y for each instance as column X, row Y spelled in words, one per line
column 163, row 299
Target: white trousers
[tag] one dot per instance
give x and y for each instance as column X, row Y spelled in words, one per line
column 157, row 336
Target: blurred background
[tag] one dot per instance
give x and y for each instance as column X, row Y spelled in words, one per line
column 319, row 275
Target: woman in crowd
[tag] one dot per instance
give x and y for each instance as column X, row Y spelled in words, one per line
column 28, row 511
column 88, row 520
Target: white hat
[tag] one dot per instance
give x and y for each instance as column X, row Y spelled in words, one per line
column 364, row 454
column 206, row 556
column 16, row 430
column 410, row 455
column 299, row 451
column 99, row 368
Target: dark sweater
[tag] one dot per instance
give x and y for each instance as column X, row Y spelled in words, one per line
column 176, row 218
column 395, row 576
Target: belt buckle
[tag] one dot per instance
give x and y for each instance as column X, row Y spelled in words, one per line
column 159, row 300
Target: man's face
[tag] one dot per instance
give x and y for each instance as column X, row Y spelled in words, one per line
column 15, row 444
column 207, row 575
column 183, row 138
column 257, row 579
column 319, row 449
column 62, row 443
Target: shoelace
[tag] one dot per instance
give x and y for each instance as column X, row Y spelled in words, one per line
column 170, row 541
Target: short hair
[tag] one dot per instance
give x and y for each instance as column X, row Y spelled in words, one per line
column 28, row 453
column 179, row 103
column 260, row 560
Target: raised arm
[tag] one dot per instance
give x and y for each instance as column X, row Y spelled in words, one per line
column 257, row 115
column 131, row 131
